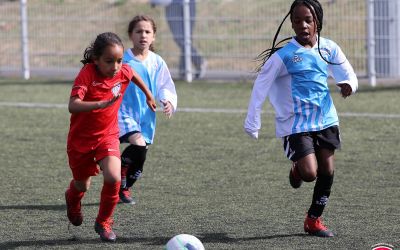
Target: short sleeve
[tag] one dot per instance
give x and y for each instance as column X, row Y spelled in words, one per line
column 81, row 83
column 127, row 72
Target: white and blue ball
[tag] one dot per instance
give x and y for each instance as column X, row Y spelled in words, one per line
column 184, row 242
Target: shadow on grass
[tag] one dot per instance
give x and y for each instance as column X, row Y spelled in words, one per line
column 42, row 207
column 151, row 241
column 224, row 238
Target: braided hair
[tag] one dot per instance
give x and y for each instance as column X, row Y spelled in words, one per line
column 95, row 50
column 318, row 14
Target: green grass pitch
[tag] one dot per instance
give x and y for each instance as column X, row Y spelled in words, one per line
column 204, row 176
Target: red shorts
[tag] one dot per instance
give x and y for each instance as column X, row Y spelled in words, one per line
column 84, row 164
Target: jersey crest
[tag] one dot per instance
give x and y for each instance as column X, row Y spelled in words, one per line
column 116, row 89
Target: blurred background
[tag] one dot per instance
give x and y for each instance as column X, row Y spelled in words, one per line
column 228, row 34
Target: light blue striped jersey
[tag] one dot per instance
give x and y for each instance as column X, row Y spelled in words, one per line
column 134, row 114
column 295, row 81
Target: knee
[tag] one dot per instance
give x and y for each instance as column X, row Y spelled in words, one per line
column 116, row 179
column 134, row 155
column 85, row 188
column 112, row 178
column 326, row 171
column 82, row 186
column 309, row 175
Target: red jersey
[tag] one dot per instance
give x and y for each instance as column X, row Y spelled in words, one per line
column 87, row 129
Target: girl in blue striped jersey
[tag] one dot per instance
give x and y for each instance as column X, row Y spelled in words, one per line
column 294, row 77
column 136, row 122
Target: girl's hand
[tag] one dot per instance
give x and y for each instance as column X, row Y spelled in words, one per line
column 345, row 89
column 76, row 105
column 105, row 104
column 151, row 103
column 167, row 110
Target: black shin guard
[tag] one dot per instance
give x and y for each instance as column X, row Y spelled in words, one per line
column 134, row 157
column 322, row 190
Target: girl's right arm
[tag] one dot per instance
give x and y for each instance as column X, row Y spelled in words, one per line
column 76, row 105
column 261, row 87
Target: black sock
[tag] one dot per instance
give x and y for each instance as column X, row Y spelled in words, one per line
column 134, row 157
column 322, row 190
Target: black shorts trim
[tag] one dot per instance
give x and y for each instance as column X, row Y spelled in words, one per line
column 125, row 137
column 298, row 145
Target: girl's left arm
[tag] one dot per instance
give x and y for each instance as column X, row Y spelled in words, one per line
column 343, row 73
column 166, row 92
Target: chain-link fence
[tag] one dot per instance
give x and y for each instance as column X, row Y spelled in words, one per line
column 228, row 34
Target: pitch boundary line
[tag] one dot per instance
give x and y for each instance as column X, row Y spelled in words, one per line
column 193, row 110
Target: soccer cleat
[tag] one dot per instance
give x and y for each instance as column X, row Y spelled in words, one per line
column 316, row 228
column 104, row 229
column 125, row 196
column 74, row 213
column 294, row 177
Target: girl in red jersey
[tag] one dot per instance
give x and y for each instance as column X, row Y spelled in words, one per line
column 93, row 143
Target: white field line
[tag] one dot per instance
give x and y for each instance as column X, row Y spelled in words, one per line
column 32, row 105
column 194, row 110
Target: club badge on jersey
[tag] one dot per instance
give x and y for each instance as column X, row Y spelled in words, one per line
column 116, row 89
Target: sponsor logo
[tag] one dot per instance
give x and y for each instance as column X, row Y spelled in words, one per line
column 322, row 201
column 297, row 59
column 94, row 83
column 325, row 51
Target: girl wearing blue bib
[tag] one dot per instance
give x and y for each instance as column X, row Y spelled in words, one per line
column 294, row 78
column 136, row 122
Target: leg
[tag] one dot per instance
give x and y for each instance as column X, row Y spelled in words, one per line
column 197, row 59
column 174, row 16
column 136, row 157
column 73, row 197
column 82, row 186
column 82, row 167
column 322, row 191
column 300, row 149
column 111, row 166
column 308, row 167
column 328, row 141
column 133, row 158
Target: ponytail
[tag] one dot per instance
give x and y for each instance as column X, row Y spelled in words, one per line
column 96, row 49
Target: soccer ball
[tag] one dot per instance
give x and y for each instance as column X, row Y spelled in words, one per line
column 184, row 242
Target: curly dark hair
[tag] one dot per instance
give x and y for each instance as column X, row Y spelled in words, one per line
column 95, row 50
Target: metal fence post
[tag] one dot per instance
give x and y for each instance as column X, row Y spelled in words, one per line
column 24, row 40
column 187, row 38
column 371, row 43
